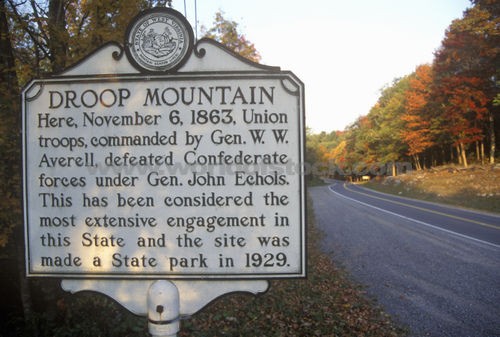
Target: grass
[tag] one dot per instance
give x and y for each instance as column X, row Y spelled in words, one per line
column 313, row 180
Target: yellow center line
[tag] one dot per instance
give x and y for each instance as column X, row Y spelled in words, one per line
column 425, row 209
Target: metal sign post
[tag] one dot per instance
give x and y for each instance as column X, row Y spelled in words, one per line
column 164, row 170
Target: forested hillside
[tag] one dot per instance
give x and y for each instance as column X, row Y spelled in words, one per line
column 444, row 112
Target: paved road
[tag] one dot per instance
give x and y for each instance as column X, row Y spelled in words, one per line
column 435, row 269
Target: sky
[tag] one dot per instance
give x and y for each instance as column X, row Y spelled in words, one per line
column 344, row 51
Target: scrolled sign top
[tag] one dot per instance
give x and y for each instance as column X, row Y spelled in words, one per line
column 159, row 40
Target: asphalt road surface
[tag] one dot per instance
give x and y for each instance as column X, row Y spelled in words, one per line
column 435, row 269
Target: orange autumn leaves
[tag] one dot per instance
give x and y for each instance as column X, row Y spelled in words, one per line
column 418, row 132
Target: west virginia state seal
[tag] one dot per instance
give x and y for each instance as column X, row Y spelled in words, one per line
column 159, row 40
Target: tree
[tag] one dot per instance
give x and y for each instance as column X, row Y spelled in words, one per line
column 58, row 35
column 10, row 165
column 41, row 30
column 384, row 135
column 417, row 131
column 226, row 32
column 10, row 133
column 467, row 63
column 358, row 150
column 93, row 23
column 321, row 151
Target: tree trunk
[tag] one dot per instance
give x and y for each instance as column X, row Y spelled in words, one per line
column 463, row 154
column 417, row 162
column 10, row 115
column 491, row 120
column 8, row 75
column 482, row 152
column 459, row 154
column 58, row 42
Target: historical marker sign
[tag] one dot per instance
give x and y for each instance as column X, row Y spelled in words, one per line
column 185, row 175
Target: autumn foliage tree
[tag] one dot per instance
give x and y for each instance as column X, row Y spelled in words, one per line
column 467, row 66
column 417, row 132
column 226, row 32
column 464, row 111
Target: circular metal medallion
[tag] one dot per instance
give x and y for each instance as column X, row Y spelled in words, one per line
column 159, row 40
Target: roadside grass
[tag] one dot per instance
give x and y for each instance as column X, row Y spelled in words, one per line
column 327, row 303
column 313, row 180
column 477, row 187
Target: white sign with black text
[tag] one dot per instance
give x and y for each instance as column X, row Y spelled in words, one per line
column 191, row 176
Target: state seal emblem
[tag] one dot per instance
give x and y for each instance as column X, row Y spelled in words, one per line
column 159, row 40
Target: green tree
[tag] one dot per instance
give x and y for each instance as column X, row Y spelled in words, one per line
column 387, row 121
column 375, row 138
column 226, row 32
column 357, row 147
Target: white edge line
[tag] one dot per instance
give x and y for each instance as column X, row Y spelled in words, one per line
column 414, row 220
